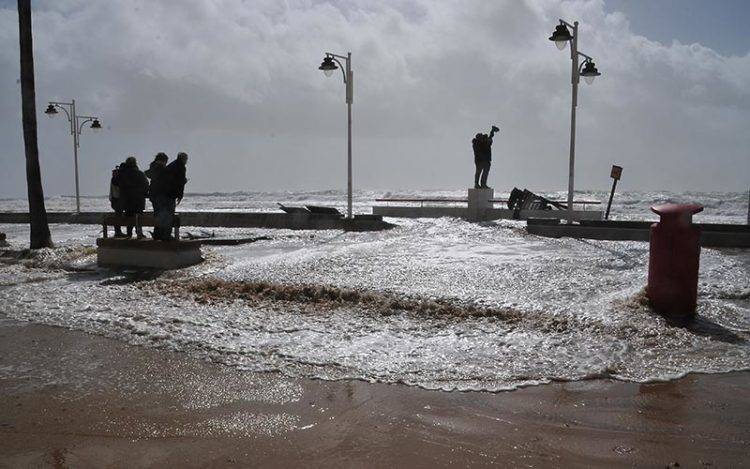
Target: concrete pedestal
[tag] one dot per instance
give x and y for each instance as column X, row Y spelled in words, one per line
column 479, row 203
column 147, row 254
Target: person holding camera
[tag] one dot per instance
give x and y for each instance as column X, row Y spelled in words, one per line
column 482, row 146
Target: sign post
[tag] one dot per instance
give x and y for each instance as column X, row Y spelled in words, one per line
column 616, row 174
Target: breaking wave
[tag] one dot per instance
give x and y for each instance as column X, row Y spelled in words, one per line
column 312, row 299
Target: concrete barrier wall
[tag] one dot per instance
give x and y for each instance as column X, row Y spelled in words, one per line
column 261, row 220
column 421, row 212
column 645, row 225
column 586, row 232
column 89, row 218
column 479, row 215
column 712, row 235
column 297, row 221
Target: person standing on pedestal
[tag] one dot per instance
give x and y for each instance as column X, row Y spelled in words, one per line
column 482, row 146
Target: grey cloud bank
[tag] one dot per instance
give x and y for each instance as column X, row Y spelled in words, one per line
column 236, row 85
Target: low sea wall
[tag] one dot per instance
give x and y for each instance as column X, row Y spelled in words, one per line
column 480, row 214
column 712, row 234
column 293, row 221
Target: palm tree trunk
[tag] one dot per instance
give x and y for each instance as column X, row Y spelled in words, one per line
column 40, row 235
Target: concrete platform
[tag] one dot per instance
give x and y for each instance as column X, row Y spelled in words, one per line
column 715, row 235
column 147, row 253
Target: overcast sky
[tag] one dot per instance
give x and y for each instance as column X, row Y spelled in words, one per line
column 235, row 84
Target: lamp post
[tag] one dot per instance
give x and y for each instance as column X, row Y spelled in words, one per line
column 329, row 64
column 561, row 36
column 76, row 126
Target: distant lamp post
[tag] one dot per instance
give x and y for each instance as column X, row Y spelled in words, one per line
column 328, row 66
column 76, row 126
column 561, row 37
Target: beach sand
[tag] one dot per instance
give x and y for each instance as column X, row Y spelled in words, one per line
column 70, row 399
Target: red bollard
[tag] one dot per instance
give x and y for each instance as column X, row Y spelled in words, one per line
column 673, row 260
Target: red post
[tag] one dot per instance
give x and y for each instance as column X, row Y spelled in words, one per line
column 673, row 260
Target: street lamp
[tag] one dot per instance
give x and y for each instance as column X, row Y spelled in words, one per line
column 328, row 66
column 76, row 126
column 561, row 36
column 589, row 71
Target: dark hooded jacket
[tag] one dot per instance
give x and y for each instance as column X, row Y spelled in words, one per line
column 482, row 145
column 133, row 188
column 175, row 179
column 156, row 172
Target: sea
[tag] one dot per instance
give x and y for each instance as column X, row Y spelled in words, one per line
column 437, row 303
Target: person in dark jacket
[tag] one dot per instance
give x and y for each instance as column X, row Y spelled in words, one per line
column 177, row 171
column 167, row 194
column 114, row 199
column 159, row 163
column 482, row 146
column 157, row 192
column 133, row 190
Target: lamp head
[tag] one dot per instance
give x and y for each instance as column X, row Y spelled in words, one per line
column 96, row 126
column 589, row 72
column 51, row 111
column 328, row 66
column 561, row 36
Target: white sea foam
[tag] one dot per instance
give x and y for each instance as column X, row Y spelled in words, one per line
column 576, row 301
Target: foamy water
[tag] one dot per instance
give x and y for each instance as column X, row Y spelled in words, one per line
column 555, row 309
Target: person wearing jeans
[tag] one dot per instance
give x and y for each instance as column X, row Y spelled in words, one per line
column 164, row 208
column 157, row 193
column 167, row 190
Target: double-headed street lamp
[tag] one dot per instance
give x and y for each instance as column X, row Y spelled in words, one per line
column 76, row 125
column 561, row 36
column 328, row 66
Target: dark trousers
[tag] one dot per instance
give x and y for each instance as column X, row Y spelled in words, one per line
column 138, row 229
column 118, row 229
column 164, row 208
column 480, row 175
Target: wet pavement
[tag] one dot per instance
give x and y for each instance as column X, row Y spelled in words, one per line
column 70, row 399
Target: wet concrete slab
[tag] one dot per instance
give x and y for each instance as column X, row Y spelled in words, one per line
column 70, row 399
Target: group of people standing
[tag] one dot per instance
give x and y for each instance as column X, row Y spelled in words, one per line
column 163, row 183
